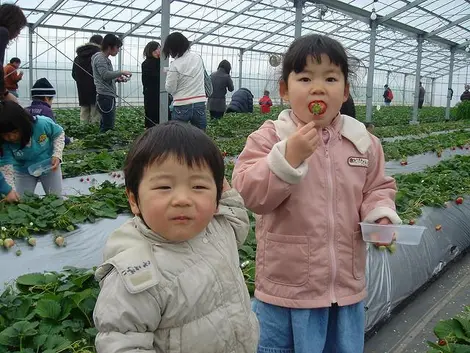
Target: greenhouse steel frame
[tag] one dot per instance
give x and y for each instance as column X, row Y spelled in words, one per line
column 396, row 36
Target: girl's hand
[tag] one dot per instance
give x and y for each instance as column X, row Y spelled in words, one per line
column 227, row 186
column 385, row 221
column 12, row 196
column 301, row 144
column 55, row 163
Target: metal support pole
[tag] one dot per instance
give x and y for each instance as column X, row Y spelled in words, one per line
column 404, row 88
column 240, row 69
column 119, row 103
column 164, row 62
column 451, row 77
column 433, row 81
column 466, row 76
column 30, row 59
column 298, row 18
column 388, row 77
column 419, row 57
column 370, row 71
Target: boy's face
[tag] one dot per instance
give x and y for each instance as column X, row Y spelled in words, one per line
column 175, row 201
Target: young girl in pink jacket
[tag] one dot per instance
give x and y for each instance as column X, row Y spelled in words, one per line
column 311, row 176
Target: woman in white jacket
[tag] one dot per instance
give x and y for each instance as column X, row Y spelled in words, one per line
column 185, row 81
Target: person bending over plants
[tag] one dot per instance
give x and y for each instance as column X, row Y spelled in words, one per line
column 26, row 141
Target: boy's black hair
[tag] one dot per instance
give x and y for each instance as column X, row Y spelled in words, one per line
column 15, row 60
column 13, row 19
column 96, row 39
column 314, row 45
column 14, row 117
column 266, row 92
column 176, row 44
column 110, row 41
column 150, row 48
column 189, row 144
column 224, row 64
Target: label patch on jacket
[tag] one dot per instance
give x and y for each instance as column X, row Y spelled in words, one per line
column 42, row 139
column 358, row 162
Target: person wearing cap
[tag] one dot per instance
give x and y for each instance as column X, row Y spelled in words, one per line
column 42, row 94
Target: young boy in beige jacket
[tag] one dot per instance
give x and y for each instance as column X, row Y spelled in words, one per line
column 171, row 280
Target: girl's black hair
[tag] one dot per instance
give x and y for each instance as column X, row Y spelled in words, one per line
column 314, row 45
column 189, row 144
column 224, row 64
column 110, row 41
column 14, row 117
column 150, row 48
column 13, row 19
column 176, row 44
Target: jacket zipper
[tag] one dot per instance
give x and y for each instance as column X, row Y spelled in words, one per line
column 331, row 221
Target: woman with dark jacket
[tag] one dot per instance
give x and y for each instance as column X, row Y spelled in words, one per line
column 221, row 82
column 82, row 73
column 151, row 83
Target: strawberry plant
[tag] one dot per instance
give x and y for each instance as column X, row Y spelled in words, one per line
column 36, row 215
column 419, row 129
column 453, row 335
column 49, row 313
column 398, row 149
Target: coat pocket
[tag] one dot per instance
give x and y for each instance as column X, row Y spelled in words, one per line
column 359, row 256
column 286, row 259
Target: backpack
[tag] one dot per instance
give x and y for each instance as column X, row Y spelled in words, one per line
column 390, row 94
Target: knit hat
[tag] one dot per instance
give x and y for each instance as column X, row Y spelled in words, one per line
column 42, row 88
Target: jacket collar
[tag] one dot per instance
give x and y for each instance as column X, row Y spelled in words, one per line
column 348, row 127
column 40, row 102
column 148, row 234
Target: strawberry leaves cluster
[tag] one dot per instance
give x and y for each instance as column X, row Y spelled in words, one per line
column 49, row 313
column 40, row 215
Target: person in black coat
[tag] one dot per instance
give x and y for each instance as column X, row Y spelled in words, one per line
column 242, row 102
column 83, row 76
column 221, row 82
column 151, row 83
column 348, row 108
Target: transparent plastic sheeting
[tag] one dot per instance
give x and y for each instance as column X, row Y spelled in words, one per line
column 391, row 278
column 394, row 277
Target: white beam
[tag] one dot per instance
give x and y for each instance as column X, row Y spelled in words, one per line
column 54, row 7
column 447, row 26
column 277, row 31
column 399, row 11
column 231, row 18
column 143, row 21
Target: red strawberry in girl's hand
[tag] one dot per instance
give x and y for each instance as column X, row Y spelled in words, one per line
column 317, row 107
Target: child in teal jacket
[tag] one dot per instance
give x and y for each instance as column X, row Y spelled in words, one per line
column 26, row 140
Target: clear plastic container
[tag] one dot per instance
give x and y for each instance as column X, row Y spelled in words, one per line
column 404, row 234
column 40, row 168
